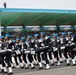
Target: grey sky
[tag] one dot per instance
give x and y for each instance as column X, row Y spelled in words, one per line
column 40, row 4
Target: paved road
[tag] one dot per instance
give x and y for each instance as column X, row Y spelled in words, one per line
column 55, row 70
column 58, row 71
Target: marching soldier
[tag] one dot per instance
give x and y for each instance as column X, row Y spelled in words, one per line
column 2, row 64
column 30, row 48
column 8, row 52
column 64, row 47
column 56, row 48
column 38, row 47
column 41, row 46
column 17, row 52
column 62, row 44
column 23, row 49
column 70, row 47
column 50, row 51
column 45, row 45
column 75, row 47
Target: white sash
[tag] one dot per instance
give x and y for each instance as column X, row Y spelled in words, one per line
column 72, row 44
column 9, row 50
column 3, row 50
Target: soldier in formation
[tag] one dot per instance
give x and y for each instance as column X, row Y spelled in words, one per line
column 39, row 49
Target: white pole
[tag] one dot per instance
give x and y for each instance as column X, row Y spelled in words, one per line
column 0, row 28
column 0, row 24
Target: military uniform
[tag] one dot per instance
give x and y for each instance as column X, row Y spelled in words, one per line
column 7, row 52
column 42, row 46
column 70, row 47
column 30, row 48
column 18, row 54
column 56, row 48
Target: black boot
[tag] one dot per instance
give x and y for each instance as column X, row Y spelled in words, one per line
column 10, row 73
column 32, row 67
column 68, row 64
column 40, row 68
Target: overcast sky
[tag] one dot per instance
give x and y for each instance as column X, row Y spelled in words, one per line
column 40, row 4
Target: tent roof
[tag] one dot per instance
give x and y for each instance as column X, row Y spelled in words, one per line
column 27, row 17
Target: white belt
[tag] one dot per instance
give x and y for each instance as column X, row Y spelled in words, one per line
column 32, row 48
column 55, row 49
column 46, row 46
column 26, row 52
column 32, row 52
column 25, row 49
column 40, row 47
column 18, row 52
column 63, row 47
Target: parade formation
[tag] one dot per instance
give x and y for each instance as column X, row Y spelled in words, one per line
column 37, row 49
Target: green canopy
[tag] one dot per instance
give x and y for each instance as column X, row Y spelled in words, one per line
column 36, row 17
